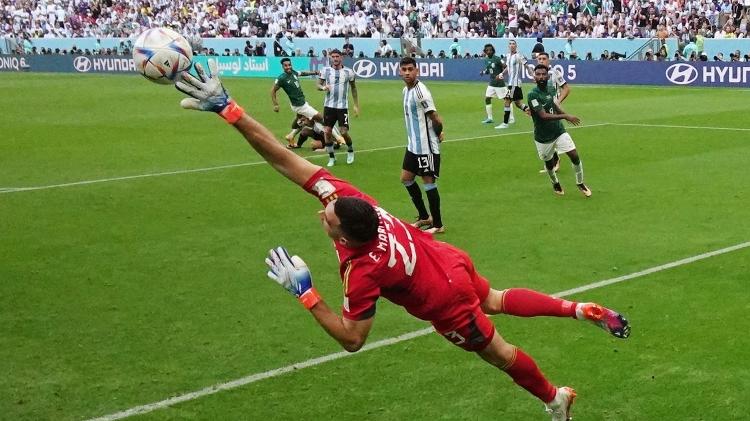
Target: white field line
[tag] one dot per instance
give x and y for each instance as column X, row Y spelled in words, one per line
column 382, row 343
column 245, row 164
column 670, row 126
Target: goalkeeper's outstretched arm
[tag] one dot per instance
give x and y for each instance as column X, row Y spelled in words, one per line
column 208, row 94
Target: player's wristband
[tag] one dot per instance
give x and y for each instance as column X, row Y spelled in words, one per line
column 232, row 113
column 310, row 298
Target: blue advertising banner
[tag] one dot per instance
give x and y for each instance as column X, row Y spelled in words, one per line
column 585, row 72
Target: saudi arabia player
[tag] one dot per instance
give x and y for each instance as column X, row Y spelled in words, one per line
column 494, row 67
column 289, row 82
column 561, row 87
column 549, row 133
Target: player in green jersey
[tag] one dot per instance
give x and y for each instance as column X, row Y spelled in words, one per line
column 549, row 133
column 289, row 82
column 494, row 67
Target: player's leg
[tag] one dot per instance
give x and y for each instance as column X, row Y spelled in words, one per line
column 518, row 100
column 342, row 119
column 295, row 129
column 304, row 134
column 520, row 367
column 339, row 140
column 329, row 120
column 488, row 94
column 546, row 151
column 506, row 110
column 429, row 178
column 522, row 302
column 566, row 145
column 409, row 170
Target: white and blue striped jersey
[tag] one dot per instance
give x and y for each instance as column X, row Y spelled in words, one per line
column 557, row 79
column 422, row 139
column 338, row 80
column 516, row 67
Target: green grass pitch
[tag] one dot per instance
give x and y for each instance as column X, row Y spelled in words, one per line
column 127, row 278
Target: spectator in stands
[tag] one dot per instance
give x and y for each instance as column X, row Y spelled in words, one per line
column 278, row 48
column 348, row 48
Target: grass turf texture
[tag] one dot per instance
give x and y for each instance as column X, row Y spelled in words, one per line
column 123, row 293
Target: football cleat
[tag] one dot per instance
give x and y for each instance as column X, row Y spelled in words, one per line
column 419, row 222
column 350, row 157
column 488, row 121
column 558, row 189
column 559, row 408
column 435, row 230
column 584, row 189
column 331, row 162
column 502, row 126
column 607, row 319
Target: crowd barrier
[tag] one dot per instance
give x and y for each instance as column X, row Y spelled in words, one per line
column 579, row 71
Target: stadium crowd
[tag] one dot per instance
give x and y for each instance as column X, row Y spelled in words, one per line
column 690, row 21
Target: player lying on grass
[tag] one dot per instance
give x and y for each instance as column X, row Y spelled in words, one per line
column 381, row 255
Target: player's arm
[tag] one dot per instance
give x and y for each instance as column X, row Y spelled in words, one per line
column 292, row 273
column 306, row 73
column 208, row 94
column 564, row 92
column 355, row 96
column 321, row 85
column 537, row 108
column 437, row 124
column 275, row 100
column 351, row 334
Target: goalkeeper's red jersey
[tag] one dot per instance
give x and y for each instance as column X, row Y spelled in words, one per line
column 432, row 280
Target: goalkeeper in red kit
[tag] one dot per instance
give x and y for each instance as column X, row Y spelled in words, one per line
column 382, row 256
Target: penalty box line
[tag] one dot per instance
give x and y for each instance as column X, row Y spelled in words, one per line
column 6, row 190
column 253, row 378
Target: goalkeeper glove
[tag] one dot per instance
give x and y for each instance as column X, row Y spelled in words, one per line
column 292, row 274
column 208, row 94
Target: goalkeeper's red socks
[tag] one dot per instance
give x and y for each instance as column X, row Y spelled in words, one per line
column 524, row 302
column 524, row 371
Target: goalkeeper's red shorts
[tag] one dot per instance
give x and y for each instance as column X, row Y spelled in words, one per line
column 465, row 324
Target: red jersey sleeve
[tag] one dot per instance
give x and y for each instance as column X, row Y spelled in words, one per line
column 327, row 188
column 361, row 292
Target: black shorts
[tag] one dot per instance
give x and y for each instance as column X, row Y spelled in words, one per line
column 514, row 93
column 331, row 116
column 428, row 164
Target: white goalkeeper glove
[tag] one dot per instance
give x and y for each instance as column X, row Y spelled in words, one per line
column 207, row 92
column 292, row 274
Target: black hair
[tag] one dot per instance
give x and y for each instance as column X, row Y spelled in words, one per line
column 359, row 221
column 335, row 51
column 407, row 61
column 541, row 66
column 542, row 53
column 490, row 46
column 284, row 60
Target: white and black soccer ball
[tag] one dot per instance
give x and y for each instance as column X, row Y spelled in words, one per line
column 160, row 54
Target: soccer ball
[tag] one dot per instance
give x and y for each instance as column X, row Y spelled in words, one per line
column 160, row 54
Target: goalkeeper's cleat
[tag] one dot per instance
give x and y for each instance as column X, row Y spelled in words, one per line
column 419, row 222
column 557, row 187
column 488, row 121
column 350, row 157
column 502, row 126
column 331, row 162
column 607, row 319
column 559, row 408
column 584, row 189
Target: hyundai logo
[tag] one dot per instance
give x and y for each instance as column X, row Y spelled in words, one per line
column 82, row 64
column 365, row 69
column 681, row 74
